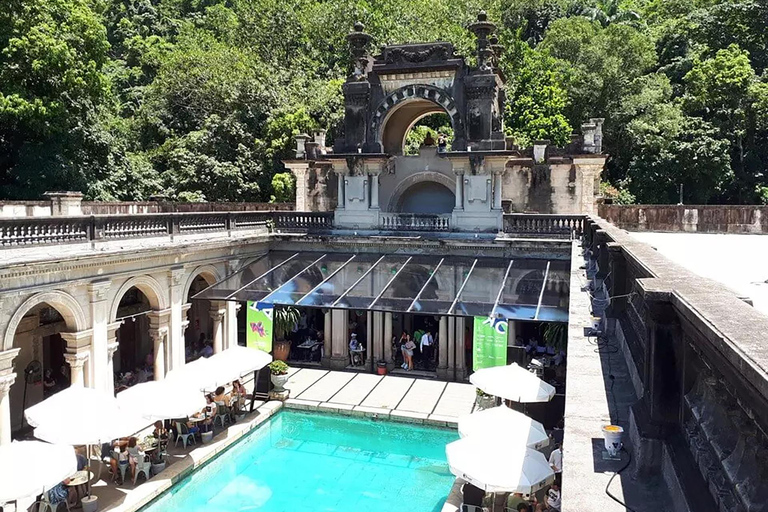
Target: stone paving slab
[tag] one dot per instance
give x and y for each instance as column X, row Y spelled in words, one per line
column 457, row 400
column 301, row 379
column 323, row 389
column 422, row 397
column 388, row 393
column 356, row 389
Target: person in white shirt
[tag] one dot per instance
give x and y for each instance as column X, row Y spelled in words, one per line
column 552, row 498
column 556, row 462
column 427, row 342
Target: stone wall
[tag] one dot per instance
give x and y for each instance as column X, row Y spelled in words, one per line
column 16, row 209
column 700, row 361
column 699, row 219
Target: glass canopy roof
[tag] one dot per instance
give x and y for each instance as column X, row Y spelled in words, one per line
column 521, row 289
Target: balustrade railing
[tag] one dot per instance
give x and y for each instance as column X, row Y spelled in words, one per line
column 414, row 222
column 544, row 224
column 302, row 221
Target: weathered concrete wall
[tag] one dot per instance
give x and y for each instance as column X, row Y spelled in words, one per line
column 15, row 209
column 700, row 353
column 698, row 219
column 544, row 188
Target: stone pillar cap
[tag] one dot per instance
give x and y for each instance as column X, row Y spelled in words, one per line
column 63, row 193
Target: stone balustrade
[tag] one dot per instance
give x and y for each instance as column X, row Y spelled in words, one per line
column 688, row 218
column 527, row 224
column 414, row 222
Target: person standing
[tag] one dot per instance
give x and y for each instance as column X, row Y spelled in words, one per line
column 408, row 349
column 427, row 342
column 552, row 498
column 556, row 462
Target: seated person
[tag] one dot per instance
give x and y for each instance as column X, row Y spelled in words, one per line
column 161, row 434
column 514, row 500
column 220, row 396
column 61, row 493
column 135, row 455
column 238, row 395
column 208, row 412
column 207, row 350
column 552, row 498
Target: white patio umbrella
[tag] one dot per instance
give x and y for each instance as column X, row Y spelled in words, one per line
column 82, row 416
column 197, row 375
column 512, row 383
column 499, row 467
column 161, row 400
column 503, row 423
column 219, row 369
column 29, row 468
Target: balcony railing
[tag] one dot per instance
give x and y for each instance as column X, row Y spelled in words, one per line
column 414, row 222
column 534, row 224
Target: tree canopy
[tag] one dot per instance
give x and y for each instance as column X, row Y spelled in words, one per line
column 199, row 99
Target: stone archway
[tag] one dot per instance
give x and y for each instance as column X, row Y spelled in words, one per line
column 148, row 286
column 65, row 304
column 397, row 113
column 201, row 316
column 400, row 191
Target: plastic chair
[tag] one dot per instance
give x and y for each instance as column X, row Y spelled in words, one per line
column 222, row 413
column 472, row 508
column 142, row 466
column 122, row 466
column 183, row 433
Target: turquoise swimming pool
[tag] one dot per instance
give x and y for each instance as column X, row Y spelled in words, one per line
column 316, row 462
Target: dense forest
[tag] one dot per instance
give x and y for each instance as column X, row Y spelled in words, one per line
column 199, row 99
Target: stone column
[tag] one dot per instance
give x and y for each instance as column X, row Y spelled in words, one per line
column 78, row 353
column 230, row 323
column 442, row 348
column 588, row 172
column 101, row 375
column 327, row 337
column 374, row 179
column 450, row 373
column 158, row 332
column 497, row 190
column 300, row 170
column 339, row 347
column 184, row 325
column 65, row 204
column 461, row 365
column 112, row 346
column 341, row 197
column 388, row 337
column 217, row 315
column 378, row 336
column 175, row 342
column 76, row 363
column 459, row 189
column 6, row 381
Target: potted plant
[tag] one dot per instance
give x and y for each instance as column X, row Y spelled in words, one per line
column 381, row 367
column 484, row 400
column 284, row 320
column 556, row 336
column 278, row 371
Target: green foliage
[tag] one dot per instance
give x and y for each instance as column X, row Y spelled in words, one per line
column 283, row 187
column 285, row 319
column 432, row 125
column 618, row 194
column 200, row 99
column 278, row 368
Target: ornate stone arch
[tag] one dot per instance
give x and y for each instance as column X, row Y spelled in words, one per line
column 208, row 272
column 419, row 177
column 64, row 303
column 148, row 286
column 393, row 101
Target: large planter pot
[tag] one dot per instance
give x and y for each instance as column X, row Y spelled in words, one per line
column 279, row 382
column 207, row 437
column 381, row 368
column 281, row 350
column 157, row 467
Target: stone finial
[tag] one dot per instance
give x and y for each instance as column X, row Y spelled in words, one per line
column 482, row 28
column 588, row 133
column 540, row 150
column 301, row 141
column 319, row 136
column 598, row 122
column 358, row 43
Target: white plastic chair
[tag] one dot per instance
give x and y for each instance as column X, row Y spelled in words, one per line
column 183, row 433
column 123, row 468
column 142, row 466
column 222, row 413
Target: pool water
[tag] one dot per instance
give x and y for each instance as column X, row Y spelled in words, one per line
column 315, row 462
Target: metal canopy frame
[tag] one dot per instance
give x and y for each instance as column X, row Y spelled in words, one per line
column 519, row 289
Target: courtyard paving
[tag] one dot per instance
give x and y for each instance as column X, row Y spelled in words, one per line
column 357, row 394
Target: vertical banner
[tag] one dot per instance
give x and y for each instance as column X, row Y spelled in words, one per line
column 489, row 346
column 259, row 328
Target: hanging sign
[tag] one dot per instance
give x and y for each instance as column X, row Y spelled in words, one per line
column 489, row 346
column 259, row 326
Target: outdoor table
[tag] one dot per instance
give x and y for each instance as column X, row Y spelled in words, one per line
column 79, row 481
column 307, row 347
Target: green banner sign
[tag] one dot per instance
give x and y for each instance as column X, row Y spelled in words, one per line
column 489, row 346
column 259, row 328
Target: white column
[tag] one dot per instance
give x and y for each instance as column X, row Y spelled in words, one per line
column 497, row 190
column 451, row 356
column 101, row 376
column 461, row 365
column 159, row 339
column 339, row 347
column 6, row 381
column 175, row 339
column 378, row 336
column 230, row 324
column 442, row 347
column 217, row 315
column 340, row 198
column 459, row 191
column 388, row 336
column 111, row 349
column 327, row 334
column 76, row 363
column 374, row 179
